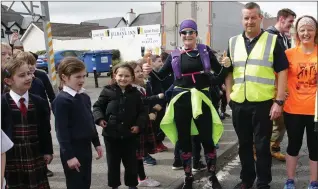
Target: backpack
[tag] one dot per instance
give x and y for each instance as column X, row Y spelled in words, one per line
column 204, row 55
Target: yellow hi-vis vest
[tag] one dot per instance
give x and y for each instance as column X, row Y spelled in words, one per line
column 253, row 74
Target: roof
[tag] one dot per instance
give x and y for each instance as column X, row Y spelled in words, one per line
column 10, row 16
column 109, row 22
column 71, row 30
column 147, row 19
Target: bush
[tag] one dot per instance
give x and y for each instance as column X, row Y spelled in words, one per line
column 40, row 52
column 116, row 54
column 115, row 62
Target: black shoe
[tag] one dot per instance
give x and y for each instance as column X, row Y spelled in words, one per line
column 198, row 166
column 177, row 164
column 227, row 115
column 188, row 183
column 242, row 185
column 49, row 173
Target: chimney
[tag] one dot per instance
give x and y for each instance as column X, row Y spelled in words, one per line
column 130, row 16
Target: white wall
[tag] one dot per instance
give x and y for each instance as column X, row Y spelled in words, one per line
column 130, row 48
column 34, row 41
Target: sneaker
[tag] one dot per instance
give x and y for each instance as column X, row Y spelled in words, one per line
column 148, row 182
column 242, row 185
column 213, row 182
column 198, row 166
column 161, row 147
column 313, row 185
column 177, row 164
column 227, row 115
column 49, row 173
column 188, row 183
column 290, row 184
column 148, row 160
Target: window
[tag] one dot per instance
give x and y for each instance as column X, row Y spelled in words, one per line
column 69, row 53
column 2, row 33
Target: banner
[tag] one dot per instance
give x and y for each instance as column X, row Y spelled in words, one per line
column 126, row 32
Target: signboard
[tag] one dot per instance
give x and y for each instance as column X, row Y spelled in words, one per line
column 151, row 40
column 125, row 32
column 149, row 30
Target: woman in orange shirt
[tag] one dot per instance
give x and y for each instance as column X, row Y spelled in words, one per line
column 299, row 108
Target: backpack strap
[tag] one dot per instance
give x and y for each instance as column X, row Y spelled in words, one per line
column 205, row 58
column 175, row 63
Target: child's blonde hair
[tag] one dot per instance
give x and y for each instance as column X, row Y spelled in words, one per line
column 28, row 57
column 11, row 67
column 16, row 52
column 5, row 46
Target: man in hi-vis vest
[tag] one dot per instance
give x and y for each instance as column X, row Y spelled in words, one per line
column 253, row 58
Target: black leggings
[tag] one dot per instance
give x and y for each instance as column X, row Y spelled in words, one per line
column 295, row 126
column 183, row 117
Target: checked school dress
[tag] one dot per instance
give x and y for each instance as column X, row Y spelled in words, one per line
column 25, row 168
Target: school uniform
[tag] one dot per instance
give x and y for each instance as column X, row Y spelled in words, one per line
column 27, row 124
column 46, row 83
column 75, row 131
column 121, row 110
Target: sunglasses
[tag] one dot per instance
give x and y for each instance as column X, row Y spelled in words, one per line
column 186, row 32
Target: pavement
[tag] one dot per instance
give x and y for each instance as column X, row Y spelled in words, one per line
column 230, row 173
column 161, row 172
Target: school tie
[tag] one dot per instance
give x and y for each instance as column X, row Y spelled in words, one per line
column 23, row 108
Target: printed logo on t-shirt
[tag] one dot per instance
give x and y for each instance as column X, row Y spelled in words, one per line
column 306, row 77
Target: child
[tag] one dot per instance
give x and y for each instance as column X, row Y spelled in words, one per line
column 147, row 143
column 26, row 120
column 6, row 53
column 74, row 122
column 6, row 144
column 119, row 110
column 37, row 87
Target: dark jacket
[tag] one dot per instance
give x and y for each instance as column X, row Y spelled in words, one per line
column 47, row 84
column 120, row 110
column 280, row 38
column 43, row 117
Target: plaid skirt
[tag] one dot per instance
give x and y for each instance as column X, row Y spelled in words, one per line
column 146, row 142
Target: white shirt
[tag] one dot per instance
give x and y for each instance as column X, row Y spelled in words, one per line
column 17, row 97
column 71, row 91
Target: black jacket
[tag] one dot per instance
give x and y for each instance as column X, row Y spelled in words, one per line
column 280, row 38
column 120, row 110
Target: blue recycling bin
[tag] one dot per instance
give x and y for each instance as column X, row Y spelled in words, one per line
column 100, row 60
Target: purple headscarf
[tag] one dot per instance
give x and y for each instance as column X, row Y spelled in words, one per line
column 188, row 24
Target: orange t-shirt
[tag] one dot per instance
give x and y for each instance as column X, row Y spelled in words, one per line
column 302, row 81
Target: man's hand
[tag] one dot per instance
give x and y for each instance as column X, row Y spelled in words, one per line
column 135, row 129
column 276, row 111
column 99, row 151
column 225, row 61
column 74, row 164
column 102, row 123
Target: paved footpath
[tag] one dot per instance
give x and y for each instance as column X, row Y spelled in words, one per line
column 229, row 175
column 161, row 172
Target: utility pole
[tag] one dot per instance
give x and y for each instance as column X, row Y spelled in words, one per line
column 49, row 43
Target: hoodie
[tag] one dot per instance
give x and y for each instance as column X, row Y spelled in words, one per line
column 280, row 37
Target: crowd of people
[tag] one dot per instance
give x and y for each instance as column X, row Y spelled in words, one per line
column 270, row 86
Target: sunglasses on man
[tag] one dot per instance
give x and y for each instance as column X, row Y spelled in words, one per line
column 188, row 32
